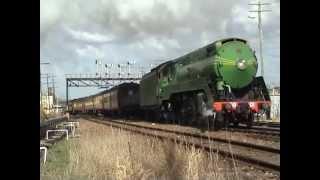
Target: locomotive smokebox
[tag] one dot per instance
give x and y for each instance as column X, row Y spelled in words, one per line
column 235, row 63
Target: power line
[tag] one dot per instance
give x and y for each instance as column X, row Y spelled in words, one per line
column 259, row 11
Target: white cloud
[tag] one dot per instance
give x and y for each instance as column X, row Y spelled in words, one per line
column 50, row 13
column 90, row 52
column 90, row 37
column 126, row 7
column 240, row 15
column 180, row 9
column 204, row 38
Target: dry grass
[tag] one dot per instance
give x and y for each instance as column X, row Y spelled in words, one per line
column 109, row 153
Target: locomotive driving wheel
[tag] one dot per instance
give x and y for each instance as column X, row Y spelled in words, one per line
column 227, row 120
column 171, row 114
column 219, row 120
column 203, row 117
column 236, row 123
column 250, row 120
column 188, row 112
column 166, row 112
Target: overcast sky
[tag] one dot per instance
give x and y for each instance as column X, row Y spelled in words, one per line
column 74, row 33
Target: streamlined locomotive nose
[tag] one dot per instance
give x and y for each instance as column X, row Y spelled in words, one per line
column 235, row 64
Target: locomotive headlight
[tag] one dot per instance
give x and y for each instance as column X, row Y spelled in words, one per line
column 251, row 104
column 241, row 64
column 234, row 105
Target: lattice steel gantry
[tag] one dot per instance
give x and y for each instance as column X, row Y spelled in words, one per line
column 91, row 80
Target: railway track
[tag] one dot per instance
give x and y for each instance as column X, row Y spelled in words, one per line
column 271, row 129
column 262, row 157
column 268, row 124
column 272, row 133
column 265, row 133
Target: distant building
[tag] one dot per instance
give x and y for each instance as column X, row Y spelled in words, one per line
column 50, row 105
column 58, row 108
column 274, row 91
column 275, row 103
column 47, row 103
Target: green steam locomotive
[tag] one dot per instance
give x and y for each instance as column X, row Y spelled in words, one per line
column 215, row 85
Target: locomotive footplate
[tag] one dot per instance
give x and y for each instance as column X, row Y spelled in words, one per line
column 233, row 106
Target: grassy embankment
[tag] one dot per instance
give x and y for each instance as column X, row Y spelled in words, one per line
column 108, row 153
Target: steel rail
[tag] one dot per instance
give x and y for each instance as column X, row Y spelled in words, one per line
column 262, row 131
column 233, row 142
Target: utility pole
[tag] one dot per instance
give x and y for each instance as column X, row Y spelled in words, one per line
column 67, row 95
column 48, row 103
column 53, row 91
column 46, row 63
column 259, row 11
